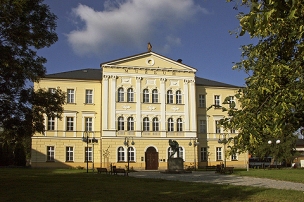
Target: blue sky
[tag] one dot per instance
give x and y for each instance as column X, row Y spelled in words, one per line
column 197, row 31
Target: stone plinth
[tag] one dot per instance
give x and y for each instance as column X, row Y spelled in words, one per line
column 175, row 164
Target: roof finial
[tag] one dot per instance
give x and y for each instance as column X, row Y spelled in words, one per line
column 149, row 47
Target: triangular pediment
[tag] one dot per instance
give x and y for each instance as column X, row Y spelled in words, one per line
column 149, row 60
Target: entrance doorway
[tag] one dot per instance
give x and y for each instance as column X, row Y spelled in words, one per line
column 151, row 157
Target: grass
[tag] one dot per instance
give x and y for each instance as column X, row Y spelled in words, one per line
column 292, row 175
column 77, row 185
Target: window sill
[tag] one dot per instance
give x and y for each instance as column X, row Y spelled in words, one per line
column 71, row 103
column 50, row 161
column 89, row 103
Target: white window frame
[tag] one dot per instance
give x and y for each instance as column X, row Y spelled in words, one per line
column 50, row 123
column 88, row 123
column 219, row 154
column 146, row 96
column 120, row 123
column 120, row 154
column 131, row 151
column 69, row 154
column 50, row 153
column 155, row 124
column 130, row 126
column 70, row 95
column 179, row 122
column 178, row 96
column 170, row 124
column 120, row 95
column 146, row 124
column 217, row 126
column 154, row 96
column 70, row 125
column 217, row 101
column 88, row 154
column 89, row 96
column 169, row 97
column 130, row 95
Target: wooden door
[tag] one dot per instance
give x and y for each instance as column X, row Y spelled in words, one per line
column 151, row 157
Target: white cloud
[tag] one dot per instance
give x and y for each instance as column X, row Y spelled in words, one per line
column 131, row 23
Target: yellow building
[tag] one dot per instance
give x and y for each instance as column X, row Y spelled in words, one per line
column 135, row 104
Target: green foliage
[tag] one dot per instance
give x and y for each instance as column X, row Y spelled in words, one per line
column 272, row 106
column 25, row 27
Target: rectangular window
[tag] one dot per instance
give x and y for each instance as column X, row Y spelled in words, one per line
column 89, row 97
column 217, row 101
column 202, row 126
column 71, row 96
column 232, row 102
column 204, row 154
column 88, row 154
column 217, row 127
column 131, row 154
column 70, row 123
column 50, row 153
column 219, row 154
column 232, row 131
column 69, row 154
column 202, row 101
column 51, row 123
column 234, row 157
column 88, row 124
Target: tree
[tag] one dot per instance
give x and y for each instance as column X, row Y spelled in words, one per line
column 25, row 27
column 272, row 106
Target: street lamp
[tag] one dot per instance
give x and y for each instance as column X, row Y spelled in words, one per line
column 86, row 139
column 276, row 143
column 127, row 144
column 223, row 141
column 195, row 143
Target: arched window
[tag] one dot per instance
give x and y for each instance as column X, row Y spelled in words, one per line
column 178, row 97
column 146, row 95
column 120, row 154
column 181, row 152
column 170, row 124
column 121, row 95
column 155, row 124
column 154, row 96
column 130, row 95
column 131, row 154
column 179, row 124
column 146, row 125
column 121, row 125
column 130, row 124
column 169, row 97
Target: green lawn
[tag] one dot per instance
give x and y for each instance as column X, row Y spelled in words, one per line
column 285, row 174
column 77, row 185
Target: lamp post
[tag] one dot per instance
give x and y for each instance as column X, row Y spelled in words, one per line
column 87, row 140
column 195, row 143
column 127, row 144
column 274, row 155
column 223, row 141
column 93, row 141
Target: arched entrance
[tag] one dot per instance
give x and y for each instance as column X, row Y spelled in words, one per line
column 151, row 157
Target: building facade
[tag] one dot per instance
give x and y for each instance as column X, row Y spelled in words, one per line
column 127, row 111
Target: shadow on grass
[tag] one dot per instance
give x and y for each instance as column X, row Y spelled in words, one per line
column 76, row 185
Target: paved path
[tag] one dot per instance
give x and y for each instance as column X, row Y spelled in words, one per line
column 211, row 177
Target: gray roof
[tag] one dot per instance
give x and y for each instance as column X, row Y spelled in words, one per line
column 96, row 74
column 82, row 74
column 206, row 82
